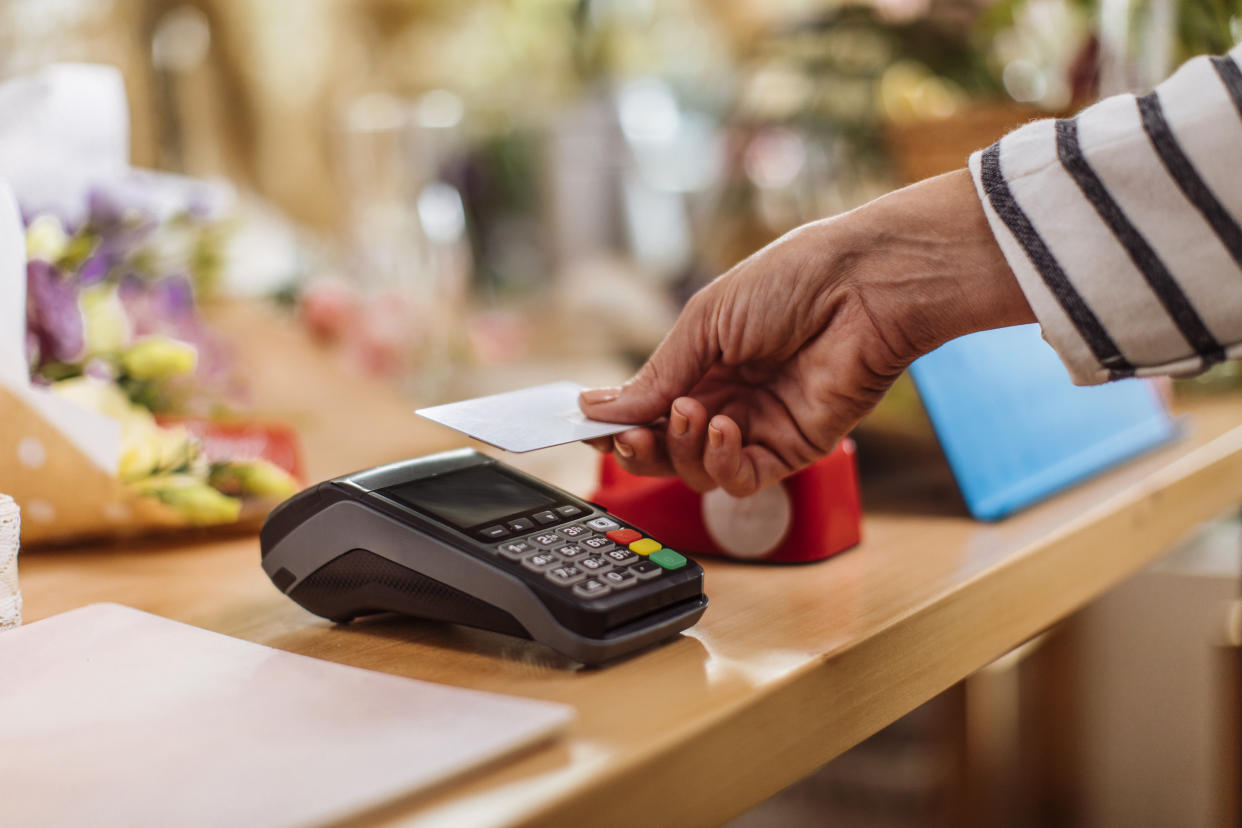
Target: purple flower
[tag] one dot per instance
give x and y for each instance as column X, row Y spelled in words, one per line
column 95, row 269
column 164, row 306
column 176, row 294
column 52, row 313
column 103, row 209
column 120, row 220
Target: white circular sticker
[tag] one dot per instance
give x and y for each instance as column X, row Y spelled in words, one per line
column 31, row 453
column 39, row 510
column 748, row 527
column 118, row 512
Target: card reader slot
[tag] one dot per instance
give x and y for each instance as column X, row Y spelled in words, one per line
column 602, row 616
column 654, row 619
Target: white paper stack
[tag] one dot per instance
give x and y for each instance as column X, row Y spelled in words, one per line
column 114, row 718
column 10, row 532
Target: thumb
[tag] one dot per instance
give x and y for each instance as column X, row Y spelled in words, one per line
column 673, row 370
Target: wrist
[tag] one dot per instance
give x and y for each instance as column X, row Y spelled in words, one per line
column 927, row 252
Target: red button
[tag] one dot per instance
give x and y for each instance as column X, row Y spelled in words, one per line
column 623, row 536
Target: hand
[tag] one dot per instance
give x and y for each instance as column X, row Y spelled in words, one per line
column 772, row 363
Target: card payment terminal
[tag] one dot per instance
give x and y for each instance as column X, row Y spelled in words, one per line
column 461, row 537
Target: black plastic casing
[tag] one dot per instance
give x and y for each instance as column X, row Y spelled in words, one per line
column 346, row 548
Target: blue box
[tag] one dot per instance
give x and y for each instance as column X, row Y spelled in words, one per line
column 1015, row 429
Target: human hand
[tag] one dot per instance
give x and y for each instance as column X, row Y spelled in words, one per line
column 772, row 363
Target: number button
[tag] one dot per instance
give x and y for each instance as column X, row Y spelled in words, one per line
column 540, row 561
column 591, row 588
column 603, row 524
column 547, row 539
column 619, row 579
column 565, row 575
column 515, row 550
column 645, row 569
column 573, row 532
column 570, row 552
column 620, row 556
column 624, row 536
column 597, row 543
column 594, row 565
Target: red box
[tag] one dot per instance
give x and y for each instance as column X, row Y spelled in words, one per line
column 809, row 516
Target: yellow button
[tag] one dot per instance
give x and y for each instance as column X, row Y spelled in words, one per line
column 645, row 546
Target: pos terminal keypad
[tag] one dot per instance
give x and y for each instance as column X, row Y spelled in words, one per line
column 603, row 555
column 590, row 557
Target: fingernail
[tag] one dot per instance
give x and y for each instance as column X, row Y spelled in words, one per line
column 600, row 395
column 715, row 436
column 677, row 423
column 622, row 448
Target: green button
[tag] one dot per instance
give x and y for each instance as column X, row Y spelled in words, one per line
column 667, row 558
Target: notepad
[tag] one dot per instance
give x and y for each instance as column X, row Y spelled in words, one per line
column 1015, row 428
column 114, row 717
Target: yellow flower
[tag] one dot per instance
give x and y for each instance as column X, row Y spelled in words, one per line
column 98, row 395
column 46, row 239
column 159, row 357
column 160, row 461
column 261, row 478
column 146, row 447
column 107, row 327
column 191, row 498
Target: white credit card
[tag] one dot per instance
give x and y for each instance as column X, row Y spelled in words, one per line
column 524, row 420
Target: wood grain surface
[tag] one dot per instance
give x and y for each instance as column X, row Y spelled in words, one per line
column 789, row 667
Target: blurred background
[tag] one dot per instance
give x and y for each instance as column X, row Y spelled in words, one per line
column 479, row 179
column 464, row 197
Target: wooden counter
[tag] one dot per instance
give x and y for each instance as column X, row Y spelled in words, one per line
column 789, row 667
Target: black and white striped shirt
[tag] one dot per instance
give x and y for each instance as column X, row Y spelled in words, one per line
column 1122, row 224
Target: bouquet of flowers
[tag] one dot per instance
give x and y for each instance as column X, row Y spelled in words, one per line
column 109, row 388
column 111, row 325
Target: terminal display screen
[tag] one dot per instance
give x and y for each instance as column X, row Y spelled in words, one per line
column 471, row 496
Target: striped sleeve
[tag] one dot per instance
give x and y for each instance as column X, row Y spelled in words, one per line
column 1124, row 225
